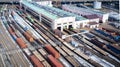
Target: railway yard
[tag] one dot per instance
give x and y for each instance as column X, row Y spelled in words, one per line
column 27, row 42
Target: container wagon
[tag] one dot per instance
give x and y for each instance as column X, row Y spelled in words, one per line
column 38, row 56
column 117, row 38
column 35, row 61
column 27, row 51
column 43, row 52
column 54, row 61
column 52, row 51
column 61, row 51
column 21, row 43
column 72, row 61
column 70, row 53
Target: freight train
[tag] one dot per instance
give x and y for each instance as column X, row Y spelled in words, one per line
column 115, row 38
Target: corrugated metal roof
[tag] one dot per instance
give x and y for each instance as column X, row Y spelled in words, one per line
column 51, row 12
column 82, row 11
column 39, row 10
column 94, row 16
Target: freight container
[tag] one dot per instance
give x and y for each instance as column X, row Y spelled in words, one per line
column 20, row 21
column 13, row 28
column 35, row 61
column 72, row 61
column 67, row 51
column 10, row 30
column 21, row 43
column 38, row 56
column 54, row 61
column 113, row 49
column 29, row 32
column 101, row 32
column 18, row 27
column 58, row 32
column 14, row 36
column 46, row 64
column 28, row 37
column 117, row 38
column 42, row 52
column 52, row 51
column 34, row 27
column 98, row 43
column 27, row 51
column 103, row 37
column 89, row 35
column 30, row 19
column 61, row 51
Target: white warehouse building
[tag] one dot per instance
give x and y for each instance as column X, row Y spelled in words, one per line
column 56, row 18
column 103, row 17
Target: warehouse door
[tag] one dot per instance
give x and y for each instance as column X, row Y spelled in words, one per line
column 70, row 27
column 81, row 25
column 59, row 28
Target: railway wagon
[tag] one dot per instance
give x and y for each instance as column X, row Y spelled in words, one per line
column 70, row 53
column 28, row 37
column 54, row 61
column 95, row 47
column 18, row 27
column 100, row 50
column 35, row 61
column 52, row 51
column 107, row 47
column 13, row 28
column 27, row 51
column 17, row 6
column 42, row 52
column 72, row 61
column 61, row 51
column 111, row 31
column 103, row 37
column 38, row 56
column 98, row 43
column 117, row 51
column 46, row 64
column 13, row 35
column 58, row 32
column 21, row 43
column 82, row 55
column 10, row 30
column 30, row 19
column 116, row 38
column 21, row 36
column 20, row 21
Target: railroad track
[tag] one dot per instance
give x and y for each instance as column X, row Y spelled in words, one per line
column 17, row 56
column 65, row 50
column 43, row 30
column 17, row 59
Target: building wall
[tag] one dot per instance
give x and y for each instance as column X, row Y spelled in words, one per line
column 94, row 26
column 105, row 17
column 62, row 22
column 94, row 20
column 45, row 3
column 81, row 24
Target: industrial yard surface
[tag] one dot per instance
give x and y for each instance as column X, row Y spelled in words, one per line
column 60, row 33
